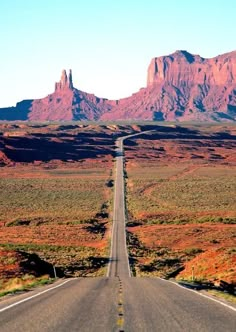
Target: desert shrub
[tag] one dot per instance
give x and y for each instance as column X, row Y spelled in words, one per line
column 193, row 251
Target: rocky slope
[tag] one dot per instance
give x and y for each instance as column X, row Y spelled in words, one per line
column 180, row 87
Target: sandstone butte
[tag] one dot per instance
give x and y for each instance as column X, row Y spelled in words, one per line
column 180, row 87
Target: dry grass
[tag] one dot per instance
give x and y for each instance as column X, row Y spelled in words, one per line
column 56, row 195
column 162, row 250
column 21, row 284
column 61, row 214
column 182, row 193
column 223, row 295
column 181, row 189
column 62, row 195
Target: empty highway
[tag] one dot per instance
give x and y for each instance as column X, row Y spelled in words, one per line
column 117, row 302
column 119, row 264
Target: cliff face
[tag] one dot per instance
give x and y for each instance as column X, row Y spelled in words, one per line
column 183, row 87
column 183, row 67
column 180, row 87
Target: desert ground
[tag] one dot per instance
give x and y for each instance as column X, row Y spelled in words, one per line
column 56, row 193
column 181, row 186
column 56, row 196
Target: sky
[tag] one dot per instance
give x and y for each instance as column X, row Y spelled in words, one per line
column 108, row 44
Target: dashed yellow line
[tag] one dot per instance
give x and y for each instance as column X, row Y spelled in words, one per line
column 120, row 307
column 120, row 322
column 120, row 311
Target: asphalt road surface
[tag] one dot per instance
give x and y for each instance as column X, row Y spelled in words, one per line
column 152, row 304
column 119, row 261
column 117, row 302
column 83, row 304
column 119, row 264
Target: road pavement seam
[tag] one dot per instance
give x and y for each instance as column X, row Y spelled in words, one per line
column 33, row 296
column 203, row 295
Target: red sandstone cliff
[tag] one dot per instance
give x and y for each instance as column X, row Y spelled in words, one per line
column 182, row 66
column 183, row 87
column 180, row 87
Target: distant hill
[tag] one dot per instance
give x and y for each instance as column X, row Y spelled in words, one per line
column 180, row 87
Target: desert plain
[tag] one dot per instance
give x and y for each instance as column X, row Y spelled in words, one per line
column 56, row 199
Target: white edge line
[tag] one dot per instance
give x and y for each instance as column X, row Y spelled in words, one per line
column 33, row 296
column 204, row 295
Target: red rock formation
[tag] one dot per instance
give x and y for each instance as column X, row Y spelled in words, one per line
column 67, row 104
column 180, row 87
column 183, row 67
column 65, row 82
column 3, row 159
column 183, row 87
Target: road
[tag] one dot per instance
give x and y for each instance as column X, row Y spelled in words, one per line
column 152, row 304
column 119, row 263
column 117, row 302
column 83, row 304
column 113, row 304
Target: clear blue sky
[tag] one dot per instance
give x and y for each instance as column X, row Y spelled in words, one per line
column 108, row 44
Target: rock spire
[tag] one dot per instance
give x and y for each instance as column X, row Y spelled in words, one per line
column 65, row 82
